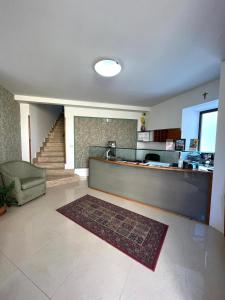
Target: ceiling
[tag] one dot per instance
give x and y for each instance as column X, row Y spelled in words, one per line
column 48, row 47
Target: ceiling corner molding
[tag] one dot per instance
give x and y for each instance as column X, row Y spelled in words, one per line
column 79, row 103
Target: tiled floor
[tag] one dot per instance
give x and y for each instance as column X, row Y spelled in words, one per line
column 44, row 255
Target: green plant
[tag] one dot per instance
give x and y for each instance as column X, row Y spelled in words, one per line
column 5, row 195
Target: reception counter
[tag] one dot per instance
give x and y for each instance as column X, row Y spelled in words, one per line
column 183, row 191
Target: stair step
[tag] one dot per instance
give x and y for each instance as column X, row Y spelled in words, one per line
column 55, row 140
column 57, row 133
column 52, row 134
column 54, row 144
column 57, row 159
column 51, row 140
column 60, row 180
column 51, row 165
column 50, row 144
column 55, row 149
column 52, row 153
column 54, row 172
column 59, row 129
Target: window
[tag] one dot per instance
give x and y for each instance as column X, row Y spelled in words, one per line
column 207, row 130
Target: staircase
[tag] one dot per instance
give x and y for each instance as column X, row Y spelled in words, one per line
column 52, row 157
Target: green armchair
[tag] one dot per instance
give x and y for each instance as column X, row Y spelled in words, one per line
column 29, row 180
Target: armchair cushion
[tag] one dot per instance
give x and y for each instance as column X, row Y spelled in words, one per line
column 30, row 182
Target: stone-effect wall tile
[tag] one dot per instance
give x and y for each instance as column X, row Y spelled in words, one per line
column 97, row 132
column 10, row 136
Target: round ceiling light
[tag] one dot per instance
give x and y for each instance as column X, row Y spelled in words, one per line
column 108, row 67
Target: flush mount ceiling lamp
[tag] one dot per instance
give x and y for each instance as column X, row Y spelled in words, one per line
column 107, row 67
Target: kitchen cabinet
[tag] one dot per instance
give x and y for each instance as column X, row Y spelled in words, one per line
column 161, row 135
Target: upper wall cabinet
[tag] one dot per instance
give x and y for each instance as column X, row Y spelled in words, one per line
column 161, row 135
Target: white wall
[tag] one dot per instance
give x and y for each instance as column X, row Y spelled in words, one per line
column 71, row 112
column 79, row 103
column 24, row 113
column 42, row 118
column 169, row 113
column 217, row 201
column 189, row 129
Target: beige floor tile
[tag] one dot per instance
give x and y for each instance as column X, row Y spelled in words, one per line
column 6, row 268
column 21, row 242
column 50, row 266
column 18, row 287
column 66, row 261
column 167, row 282
column 99, row 279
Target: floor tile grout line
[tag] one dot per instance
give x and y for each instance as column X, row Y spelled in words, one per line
column 35, row 251
column 63, row 282
column 18, row 268
column 125, row 281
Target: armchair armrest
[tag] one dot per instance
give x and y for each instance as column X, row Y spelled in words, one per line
column 8, row 178
column 37, row 172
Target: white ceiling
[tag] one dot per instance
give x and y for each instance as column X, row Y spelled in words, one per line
column 48, row 47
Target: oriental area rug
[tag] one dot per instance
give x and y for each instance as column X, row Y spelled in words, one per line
column 137, row 236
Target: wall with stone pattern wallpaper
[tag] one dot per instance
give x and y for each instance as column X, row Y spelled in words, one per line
column 97, row 132
column 10, row 139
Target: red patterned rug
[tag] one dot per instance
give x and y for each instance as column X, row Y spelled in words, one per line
column 137, row 236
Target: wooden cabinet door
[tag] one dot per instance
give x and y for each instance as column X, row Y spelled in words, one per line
column 174, row 134
column 161, row 135
column 156, row 135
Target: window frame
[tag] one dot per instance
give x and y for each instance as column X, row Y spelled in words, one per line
column 200, row 124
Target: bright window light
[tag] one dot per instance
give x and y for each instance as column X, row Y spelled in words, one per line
column 208, row 125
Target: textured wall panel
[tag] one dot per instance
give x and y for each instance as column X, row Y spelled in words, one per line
column 97, row 132
column 10, row 139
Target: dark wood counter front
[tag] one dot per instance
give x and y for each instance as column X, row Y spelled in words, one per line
column 183, row 191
